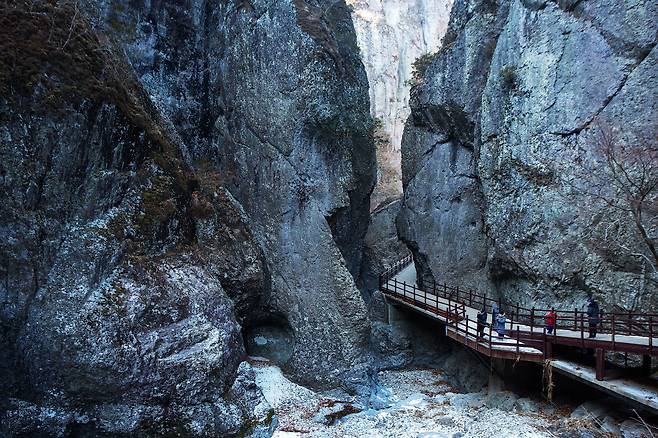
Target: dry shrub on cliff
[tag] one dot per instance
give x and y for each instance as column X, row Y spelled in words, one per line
column 508, row 78
column 51, row 47
column 620, row 183
column 419, row 68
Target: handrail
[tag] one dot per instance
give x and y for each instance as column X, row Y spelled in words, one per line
column 614, row 323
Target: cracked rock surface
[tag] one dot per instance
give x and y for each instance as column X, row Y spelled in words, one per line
column 508, row 110
column 173, row 176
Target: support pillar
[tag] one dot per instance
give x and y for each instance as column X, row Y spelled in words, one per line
column 600, row 364
column 496, row 382
column 646, row 364
column 392, row 314
column 548, row 350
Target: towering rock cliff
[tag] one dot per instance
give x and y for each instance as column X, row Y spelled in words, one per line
column 294, row 142
column 175, row 176
column 273, row 96
column 392, row 34
column 507, row 170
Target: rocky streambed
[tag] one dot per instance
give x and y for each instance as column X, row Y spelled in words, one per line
column 423, row 403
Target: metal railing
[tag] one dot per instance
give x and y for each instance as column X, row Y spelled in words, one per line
column 616, row 324
column 447, row 308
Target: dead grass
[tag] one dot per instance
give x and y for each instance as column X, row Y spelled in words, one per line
column 51, row 56
column 48, row 50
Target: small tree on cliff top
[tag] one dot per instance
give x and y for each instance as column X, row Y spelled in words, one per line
column 621, row 180
column 419, row 68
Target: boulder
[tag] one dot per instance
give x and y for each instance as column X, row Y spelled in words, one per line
column 503, row 400
column 473, row 400
column 527, row 405
column 633, row 429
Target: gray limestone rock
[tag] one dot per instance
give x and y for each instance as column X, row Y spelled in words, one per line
column 294, row 144
column 391, row 345
column 473, row 400
column 527, row 405
column 633, row 429
column 382, row 247
column 505, row 121
column 591, row 410
column 465, row 370
column 505, row 401
column 271, row 99
column 175, row 176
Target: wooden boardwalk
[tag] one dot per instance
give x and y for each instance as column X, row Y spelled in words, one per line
column 526, row 338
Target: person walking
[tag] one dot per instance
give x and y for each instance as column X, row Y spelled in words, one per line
column 593, row 313
column 501, row 320
column 494, row 313
column 482, row 322
column 550, row 319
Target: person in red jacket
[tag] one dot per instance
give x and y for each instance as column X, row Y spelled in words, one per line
column 550, row 319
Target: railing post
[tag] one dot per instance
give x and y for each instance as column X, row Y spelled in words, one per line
column 613, row 332
column 630, row 323
column 517, row 339
column 650, row 335
column 582, row 331
column 600, row 364
column 489, row 341
column 470, row 298
column 575, row 318
column 532, row 319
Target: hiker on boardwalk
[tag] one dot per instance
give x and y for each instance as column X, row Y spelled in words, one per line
column 482, row 322
column 494, row 313
column 501, row 320
column 550, row 319
column 593, row 312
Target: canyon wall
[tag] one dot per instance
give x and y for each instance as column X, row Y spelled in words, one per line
column 176, row 176
column 519, row 131
column 392, row 34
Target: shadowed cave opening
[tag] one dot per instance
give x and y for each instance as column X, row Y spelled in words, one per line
column 269, row 335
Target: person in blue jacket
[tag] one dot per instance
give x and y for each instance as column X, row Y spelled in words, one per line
column 501, row 320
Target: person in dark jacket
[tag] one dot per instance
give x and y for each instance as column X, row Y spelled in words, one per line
column 494, row 314
column 593, row 312
column 482, row 322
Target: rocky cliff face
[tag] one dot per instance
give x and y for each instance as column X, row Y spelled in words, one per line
column 273, row 97
column 505, row 174
column 295, row 145
column 162, row 205
column 392, row 34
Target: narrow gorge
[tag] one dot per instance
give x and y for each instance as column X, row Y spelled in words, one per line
column 256, row 218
